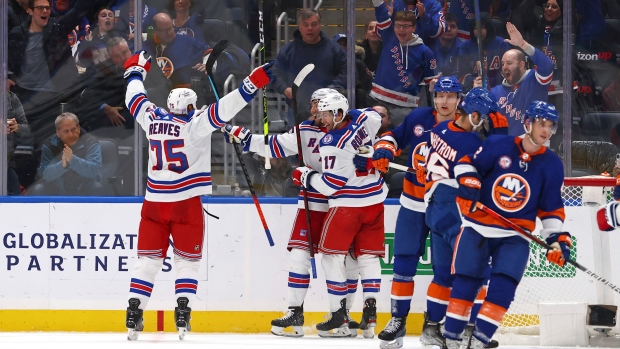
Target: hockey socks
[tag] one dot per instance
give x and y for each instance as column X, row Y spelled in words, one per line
column 333, row 266
column 501, row 293
column 298, row 276
column 143, row 279
column 464, row 291
column 401, row 294
column 352, row 273
column 437, row 299
column 370, row 270
column 186, row 283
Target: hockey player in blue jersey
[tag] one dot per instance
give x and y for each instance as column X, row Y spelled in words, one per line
column 449, row 141
column 411, row 230
column 521, row 179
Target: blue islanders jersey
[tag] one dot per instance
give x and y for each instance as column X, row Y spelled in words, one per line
column 414, row 133
column 448, row 144
column 517, row 185
column 177, row 58
column 513, row 100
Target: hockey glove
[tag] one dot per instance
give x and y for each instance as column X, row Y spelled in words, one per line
column 420, row 174
column 137, row 66
column 607, row 217
column 383, row 155
column 257, row 79
column 561, row 244
column 498, row 124
column 362, row 163
column 468, row 193
column 238, row 134
column 301, row 176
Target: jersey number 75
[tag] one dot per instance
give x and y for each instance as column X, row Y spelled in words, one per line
column 175, row 161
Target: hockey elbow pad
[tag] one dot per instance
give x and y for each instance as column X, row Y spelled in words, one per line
column 561, row 244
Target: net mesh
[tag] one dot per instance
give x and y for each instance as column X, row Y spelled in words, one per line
column 545, row 282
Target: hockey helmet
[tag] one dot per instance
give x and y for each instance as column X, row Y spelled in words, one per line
column 179, row 99
column 333, row 102
column 448, row 84
column 320, row 93
column 542, row 110
column 480, row 100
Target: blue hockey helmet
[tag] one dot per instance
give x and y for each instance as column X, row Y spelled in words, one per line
column 448, row 84
column 542, row 110
column 480, row 100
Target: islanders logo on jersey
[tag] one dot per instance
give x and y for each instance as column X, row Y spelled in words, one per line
column 186, row 31
column 419, row 154
column 166, row 66
column 511, row 192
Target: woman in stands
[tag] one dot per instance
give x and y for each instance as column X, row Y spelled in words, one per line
column 92, row 50
column 184, row 22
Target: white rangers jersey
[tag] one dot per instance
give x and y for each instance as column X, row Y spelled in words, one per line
column 340, row 181
column 284, row 145
column 180, row 146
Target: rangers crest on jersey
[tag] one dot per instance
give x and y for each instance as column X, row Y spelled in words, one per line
column 511, row 192
column 418, row 130
column 505, row 162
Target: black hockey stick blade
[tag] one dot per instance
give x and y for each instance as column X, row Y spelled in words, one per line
column 215, row 53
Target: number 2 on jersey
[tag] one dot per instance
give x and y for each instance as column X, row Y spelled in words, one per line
column 176, row 161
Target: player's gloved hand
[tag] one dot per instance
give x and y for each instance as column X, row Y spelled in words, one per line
column 363, row 158
column 420, row 174
column 137, row 66
column 383, row 155
column 237, row 134
column 468, row 193
column 301, row 176
column 561, row 244
column 257, row 79
column 498, row 124
column 607, row 217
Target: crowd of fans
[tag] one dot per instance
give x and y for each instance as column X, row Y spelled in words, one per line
column 65, row 57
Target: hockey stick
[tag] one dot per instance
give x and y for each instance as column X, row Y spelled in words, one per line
column 209, row 67
column 542, row 243
column 367, row 151
column 261, row 37
column 298, row 80
column 479, row 39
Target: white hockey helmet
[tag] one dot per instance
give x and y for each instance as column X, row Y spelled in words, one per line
column 179, row 99
column 333, row 102
column 321, row 93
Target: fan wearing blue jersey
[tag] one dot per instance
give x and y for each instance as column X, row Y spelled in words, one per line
column 355, row 213
column 521, row 179
column 449, row 141
column 179, row 172
column 411, row 230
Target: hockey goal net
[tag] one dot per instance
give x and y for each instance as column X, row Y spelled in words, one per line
column 544, row 282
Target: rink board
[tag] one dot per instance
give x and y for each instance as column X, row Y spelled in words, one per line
column 69, row 262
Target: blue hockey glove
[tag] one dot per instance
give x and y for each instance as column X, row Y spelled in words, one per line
column 561, row 243
column 238, row 134
column 468, row 193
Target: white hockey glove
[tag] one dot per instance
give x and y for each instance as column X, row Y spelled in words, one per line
column 238, row 134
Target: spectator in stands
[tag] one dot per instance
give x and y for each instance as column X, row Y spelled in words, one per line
column 71, row 161
column 179, row 56
column 124, row 13
column 430, row 23
column 545, row 32
column 40, row 56
column 17, row 13
column 493, row 48
column 521, row 86
column 447, row 48
column 611, row 95
column 92, row 50
column 385, row 119
column 590, row 23
column 310, row 45
column 363, row 76
column 184, row 22
column 103, row 100
column 17, row 126
column 465, row 15
column 372, row 46
column 405, row 63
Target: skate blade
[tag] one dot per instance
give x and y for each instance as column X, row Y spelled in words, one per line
column 132, row 334
column 182, row 332
column 298, row 331
column 353, row 333
column 369, row 333
column 395, row 344
column 340, row 332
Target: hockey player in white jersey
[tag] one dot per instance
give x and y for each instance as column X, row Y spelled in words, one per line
column 179, row 172
column 355, row 213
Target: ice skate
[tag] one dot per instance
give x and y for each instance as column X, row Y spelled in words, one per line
column 431, row 334
column 392, row 336
column 467, row 337
column 369, row 318
column 353, row 325
column 133, row 319
column 182, row 317
column 294, row 318
column 336, row 325
column 453, row 343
